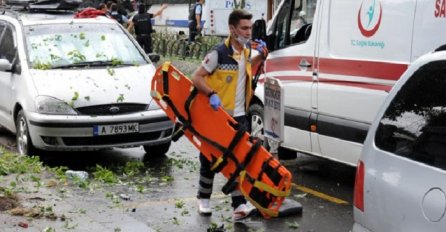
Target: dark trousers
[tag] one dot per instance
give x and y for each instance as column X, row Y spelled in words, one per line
column 207, row 176
column 145, row 41
column 193, row 31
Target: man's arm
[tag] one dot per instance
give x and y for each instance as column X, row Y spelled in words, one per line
column 160, row 11
column 198, row 18
column 257, row 60
column 130, row 26
column 199, row 81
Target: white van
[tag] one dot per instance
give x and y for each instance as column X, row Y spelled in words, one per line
column 337, row 69
column 76, row 84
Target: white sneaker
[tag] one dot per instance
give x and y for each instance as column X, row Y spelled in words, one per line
column 204, row 207
column 242, row 211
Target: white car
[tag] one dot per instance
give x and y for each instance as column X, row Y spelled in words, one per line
column 400, row 182
column 76, row 84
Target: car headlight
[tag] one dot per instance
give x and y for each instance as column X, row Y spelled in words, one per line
column 153, row 105
column 50, row 105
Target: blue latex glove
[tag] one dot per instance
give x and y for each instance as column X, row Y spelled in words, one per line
column 260, row 46
column 214, row 101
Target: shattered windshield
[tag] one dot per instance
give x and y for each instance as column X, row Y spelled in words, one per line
column 80, row 44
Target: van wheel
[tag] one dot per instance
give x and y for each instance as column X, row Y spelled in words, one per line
column 24, row 143
column 157, row 150
column 256, row 115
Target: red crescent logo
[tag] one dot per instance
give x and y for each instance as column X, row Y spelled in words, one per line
column 369, row 33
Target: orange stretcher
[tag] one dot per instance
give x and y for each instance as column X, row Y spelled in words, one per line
column 241, row 159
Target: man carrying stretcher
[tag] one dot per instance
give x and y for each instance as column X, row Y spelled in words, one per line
column 225, row 76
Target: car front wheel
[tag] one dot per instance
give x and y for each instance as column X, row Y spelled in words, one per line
column 157, row 150
column 24, row 143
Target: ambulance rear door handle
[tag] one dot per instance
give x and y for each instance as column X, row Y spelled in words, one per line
column 304, row 64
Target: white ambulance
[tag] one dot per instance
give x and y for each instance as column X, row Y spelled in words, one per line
column 337, row 69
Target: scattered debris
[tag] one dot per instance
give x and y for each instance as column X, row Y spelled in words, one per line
column 51, row 183
column 23, row 224
column 8, row 202
column 49, row 229
column 299, row 196
column 35, row 212
column 213, row 227
column 179, row 204
column 293, row 225
column 80, row 175
column 124, row 197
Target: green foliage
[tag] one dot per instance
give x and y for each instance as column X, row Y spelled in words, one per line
column 116, row 62
column 179, row 204
column 105, row 175
column 76, row 56
column 110, row 71
column 120, row 98
column 171, row 45
column 133, row 168
column 14, row 164
column 41, row 65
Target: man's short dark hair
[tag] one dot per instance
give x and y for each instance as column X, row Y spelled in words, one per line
column 102, row 6
column 237, row 15
column 114, row 7
column 141, row 9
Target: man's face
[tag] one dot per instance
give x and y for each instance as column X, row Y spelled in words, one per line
column 243, row 28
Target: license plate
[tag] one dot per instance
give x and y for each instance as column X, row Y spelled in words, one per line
column 124, row 128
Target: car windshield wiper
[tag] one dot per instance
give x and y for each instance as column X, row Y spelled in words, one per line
column 93, row 64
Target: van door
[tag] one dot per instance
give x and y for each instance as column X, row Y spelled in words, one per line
column 8, row 50
column 291, row 39
column 364, row 48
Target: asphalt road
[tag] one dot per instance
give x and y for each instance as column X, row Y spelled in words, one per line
column 323, row 188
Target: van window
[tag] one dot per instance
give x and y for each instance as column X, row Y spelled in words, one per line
column 414, row 124
column 2, row 27
column 7, row 45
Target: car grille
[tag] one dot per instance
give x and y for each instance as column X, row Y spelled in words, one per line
column 114, row 139
column 112, row 109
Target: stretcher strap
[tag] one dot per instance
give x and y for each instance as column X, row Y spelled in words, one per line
column 185, row 122
column 166, row 78
column 232, row 184
column 188, row 103
column 178, row 131
column 260, row 200
column 273, row 173
column 222, row 161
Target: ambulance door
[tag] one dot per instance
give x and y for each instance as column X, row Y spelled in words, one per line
column 363, row 48
column 291, row 39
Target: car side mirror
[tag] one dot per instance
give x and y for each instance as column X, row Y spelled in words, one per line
column 259, row 30
column 5, row 65
column 154, row 57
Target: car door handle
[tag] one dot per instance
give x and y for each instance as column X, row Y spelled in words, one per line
column 304, row 64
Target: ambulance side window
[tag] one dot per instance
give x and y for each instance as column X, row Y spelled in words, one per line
column 301, row 21
column 281, row 33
